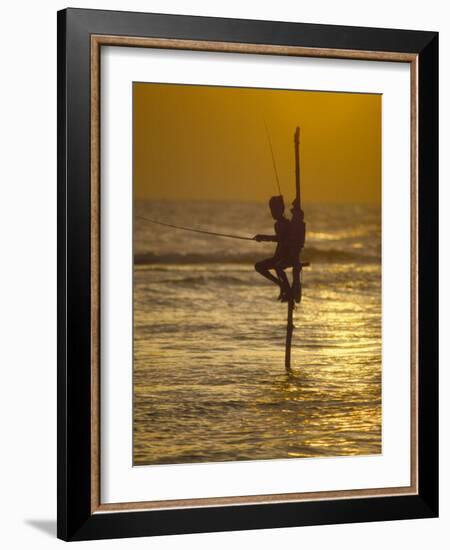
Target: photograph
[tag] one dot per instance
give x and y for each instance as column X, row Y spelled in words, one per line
column 256, row 274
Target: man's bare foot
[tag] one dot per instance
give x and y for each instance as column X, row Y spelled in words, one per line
column 286, row 295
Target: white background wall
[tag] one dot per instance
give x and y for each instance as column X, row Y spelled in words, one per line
column 28, row 272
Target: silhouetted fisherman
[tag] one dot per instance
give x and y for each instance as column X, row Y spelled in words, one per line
column 282, row 258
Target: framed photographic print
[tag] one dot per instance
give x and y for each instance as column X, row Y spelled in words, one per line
column 247, row 255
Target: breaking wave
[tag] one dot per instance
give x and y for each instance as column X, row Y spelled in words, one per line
column 309, row 255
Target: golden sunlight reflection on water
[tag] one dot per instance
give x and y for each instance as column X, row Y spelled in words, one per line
column 209, row 380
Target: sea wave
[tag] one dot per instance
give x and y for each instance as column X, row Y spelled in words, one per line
column 309, row 255
column 203, row 279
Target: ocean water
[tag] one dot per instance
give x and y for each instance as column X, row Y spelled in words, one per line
column 209, row 333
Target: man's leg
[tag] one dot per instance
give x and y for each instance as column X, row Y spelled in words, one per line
column 263, row 268
column 280, row 267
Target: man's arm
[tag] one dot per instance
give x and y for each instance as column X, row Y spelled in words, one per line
column 266, row 238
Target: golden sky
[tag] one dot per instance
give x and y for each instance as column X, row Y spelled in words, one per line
column 207, row 142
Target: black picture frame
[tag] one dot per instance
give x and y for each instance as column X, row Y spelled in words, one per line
column 75, row 518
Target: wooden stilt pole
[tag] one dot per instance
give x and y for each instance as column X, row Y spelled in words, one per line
column 298, row 231
column 289, row 331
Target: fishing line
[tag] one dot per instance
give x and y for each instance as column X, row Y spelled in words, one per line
column 227, row 235
column 273, row 157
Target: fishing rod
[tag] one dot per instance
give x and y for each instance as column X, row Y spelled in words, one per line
column 273, row 157
column 227, row 235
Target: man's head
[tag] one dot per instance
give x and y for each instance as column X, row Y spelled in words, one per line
column 276, row 205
